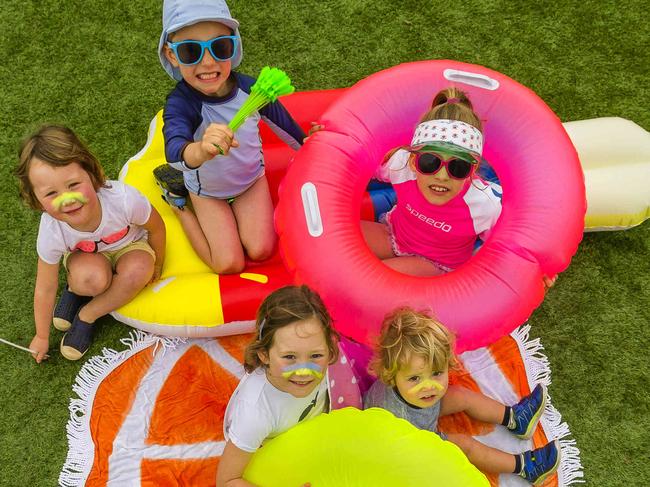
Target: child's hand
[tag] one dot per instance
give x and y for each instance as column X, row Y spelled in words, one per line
column 549, row 282
column 315, row 127
column 40, row 346
column 217, row 140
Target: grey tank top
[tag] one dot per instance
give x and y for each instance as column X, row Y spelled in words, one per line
column 381, row 396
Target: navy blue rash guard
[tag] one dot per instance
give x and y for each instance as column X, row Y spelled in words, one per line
column 188, row 113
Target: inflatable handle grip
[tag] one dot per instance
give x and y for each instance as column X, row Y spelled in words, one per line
column 472, row 79
column 312, row 210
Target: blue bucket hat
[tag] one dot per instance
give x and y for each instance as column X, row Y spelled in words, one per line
column 182, row 13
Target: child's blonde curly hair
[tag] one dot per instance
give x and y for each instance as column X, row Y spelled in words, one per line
column 406, row 333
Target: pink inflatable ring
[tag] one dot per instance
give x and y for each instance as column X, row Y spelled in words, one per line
column 498, row 288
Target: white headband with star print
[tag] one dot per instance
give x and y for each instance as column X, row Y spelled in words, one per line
column 458, row 133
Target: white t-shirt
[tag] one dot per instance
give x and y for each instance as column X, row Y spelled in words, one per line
column 123, row 207
column 257, row 411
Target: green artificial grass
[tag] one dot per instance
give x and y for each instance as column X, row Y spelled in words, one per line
column 93, row 66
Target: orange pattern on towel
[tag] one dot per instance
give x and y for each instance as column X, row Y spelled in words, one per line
column 191, row 405
column 235, row 345
column 113, row 400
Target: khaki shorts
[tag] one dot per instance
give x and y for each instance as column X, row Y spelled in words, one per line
column 114, row 255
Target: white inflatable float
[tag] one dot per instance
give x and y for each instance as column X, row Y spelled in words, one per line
column 615, row 157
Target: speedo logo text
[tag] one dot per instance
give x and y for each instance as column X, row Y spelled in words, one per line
column 445, row 227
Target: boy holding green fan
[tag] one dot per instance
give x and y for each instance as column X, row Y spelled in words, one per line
column 222, row 174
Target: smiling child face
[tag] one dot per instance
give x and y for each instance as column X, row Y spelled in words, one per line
column 208, row 76
column 299, row 342
column 50, row 181
column 438, row 188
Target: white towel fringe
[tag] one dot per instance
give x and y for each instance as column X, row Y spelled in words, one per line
column 81, row 450
column 538, row 371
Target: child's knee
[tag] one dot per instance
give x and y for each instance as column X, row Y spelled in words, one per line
column 260, row 248
column 138, row 270
column 90, row 282
column 228, row 266
column 261, row 251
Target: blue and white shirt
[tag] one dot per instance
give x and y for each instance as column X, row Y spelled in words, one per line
column 188, row 113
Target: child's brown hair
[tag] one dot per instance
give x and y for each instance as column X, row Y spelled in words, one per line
column 283, row 307
column 452, row 104
column 406, row 333
column 59, row 146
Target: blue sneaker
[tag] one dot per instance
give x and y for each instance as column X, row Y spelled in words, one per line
column 66, row 309
column 173, row 187
column 77, row 339
column 526, row 413
column 541, row 463
column 173, row 199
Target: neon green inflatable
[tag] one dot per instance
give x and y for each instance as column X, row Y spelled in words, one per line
column 354, row 448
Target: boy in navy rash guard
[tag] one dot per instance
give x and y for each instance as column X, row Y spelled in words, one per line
column 233, row 214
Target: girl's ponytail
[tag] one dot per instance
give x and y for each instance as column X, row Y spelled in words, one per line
column 451, row 96
column 452, row 104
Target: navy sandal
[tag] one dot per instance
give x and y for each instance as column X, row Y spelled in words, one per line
column 66, row 309
column 77, row 340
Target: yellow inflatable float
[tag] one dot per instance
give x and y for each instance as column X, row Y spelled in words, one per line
column 354, row 448
column 190, row 300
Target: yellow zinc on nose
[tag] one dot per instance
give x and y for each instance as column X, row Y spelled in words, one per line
column 67, row 198
column 426, row 384
column 304, row 371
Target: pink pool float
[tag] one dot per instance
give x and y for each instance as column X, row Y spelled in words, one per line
column 541, row 225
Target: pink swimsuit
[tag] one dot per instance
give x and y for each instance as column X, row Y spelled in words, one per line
column 444, row 234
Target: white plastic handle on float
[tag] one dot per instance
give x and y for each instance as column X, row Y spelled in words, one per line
column 472, row 79
column 312, row 210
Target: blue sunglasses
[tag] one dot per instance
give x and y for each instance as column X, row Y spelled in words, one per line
column 222, row 48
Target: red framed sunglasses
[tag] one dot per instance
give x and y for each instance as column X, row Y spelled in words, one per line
column 90, row 246
column 429, row 159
